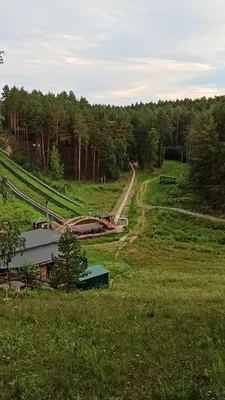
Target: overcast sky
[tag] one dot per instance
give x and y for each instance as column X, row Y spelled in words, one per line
column 115, row 51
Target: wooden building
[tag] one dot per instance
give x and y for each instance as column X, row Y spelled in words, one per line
column 41, row 245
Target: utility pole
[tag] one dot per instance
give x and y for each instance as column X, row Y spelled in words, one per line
column 47, row 214
column 182, row 160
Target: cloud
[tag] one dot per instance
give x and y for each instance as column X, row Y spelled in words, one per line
column 128, row 92
column 191, row 93
column 117, row 52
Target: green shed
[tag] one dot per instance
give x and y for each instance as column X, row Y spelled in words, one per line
column 97, row 276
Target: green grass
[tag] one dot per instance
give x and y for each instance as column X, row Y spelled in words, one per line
column 31, row 193
column 96, row 197
column 156, row 333
column 145, row 175
column 44, row 190
column 132, row 213
column 19, row 211
column 109, row 238
column 172, row 227
column 170, row 195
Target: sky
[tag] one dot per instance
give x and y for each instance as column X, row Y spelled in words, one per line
column 115, row 51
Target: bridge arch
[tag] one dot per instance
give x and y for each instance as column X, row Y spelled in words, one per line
column 81, row 220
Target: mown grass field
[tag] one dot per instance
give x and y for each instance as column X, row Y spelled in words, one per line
column 156, row 334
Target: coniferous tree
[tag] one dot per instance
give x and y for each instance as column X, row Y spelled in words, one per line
column 71, row 263
column 10, row 242
column 57, row 168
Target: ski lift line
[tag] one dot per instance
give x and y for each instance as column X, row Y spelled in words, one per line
column 39, row 181
column 33, row 203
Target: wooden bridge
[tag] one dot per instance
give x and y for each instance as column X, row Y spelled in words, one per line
column 70, row 224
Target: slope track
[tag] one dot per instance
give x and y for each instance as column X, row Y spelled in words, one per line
column 39, row 186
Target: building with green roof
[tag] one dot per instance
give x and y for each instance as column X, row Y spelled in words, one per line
column 97, row 277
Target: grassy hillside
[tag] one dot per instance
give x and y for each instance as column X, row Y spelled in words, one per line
column 16, row 210
column 156, row 334
column 31, row 193
column 170, row 195
column 95, row 197
column 44, row 192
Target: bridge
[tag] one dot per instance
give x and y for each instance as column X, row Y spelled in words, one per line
column 72, row 223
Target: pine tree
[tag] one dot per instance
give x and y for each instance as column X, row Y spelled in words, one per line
column 152, row 148
column 71, row 262
column 10, row 242
column 57, row 169
column 204, row 163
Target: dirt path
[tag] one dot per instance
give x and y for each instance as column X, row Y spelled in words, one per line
column 125, row 199
column 187, row 212
column 139, row 227
column 140, row 202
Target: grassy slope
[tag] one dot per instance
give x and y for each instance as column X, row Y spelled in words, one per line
column 44, row 190
column 169, row 195
column 31, row 193
column 17, row 210
column 96, row 197
column 157, row 333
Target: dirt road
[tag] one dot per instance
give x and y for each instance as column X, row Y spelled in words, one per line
column 125, row 199
column 140, row 202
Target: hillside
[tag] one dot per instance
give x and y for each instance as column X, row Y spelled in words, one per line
column 156, row 333
column 73, row 198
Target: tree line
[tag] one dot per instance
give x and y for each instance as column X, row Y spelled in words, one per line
column 94, row 141
column 97, row 141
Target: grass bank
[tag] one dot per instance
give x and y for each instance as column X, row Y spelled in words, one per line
column 16, row 210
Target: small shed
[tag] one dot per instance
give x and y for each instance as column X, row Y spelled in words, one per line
column 108, row 217
column 97, row 276
column 168, row 180
column 40, row 223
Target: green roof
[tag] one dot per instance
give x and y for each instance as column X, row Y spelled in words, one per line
column 103, row 215
column 39, row 220
column 94, row 271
